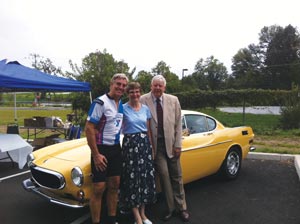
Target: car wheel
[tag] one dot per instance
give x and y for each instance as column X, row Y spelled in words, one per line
column 232, row 164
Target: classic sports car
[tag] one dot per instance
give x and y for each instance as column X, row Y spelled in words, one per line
column 61, row 173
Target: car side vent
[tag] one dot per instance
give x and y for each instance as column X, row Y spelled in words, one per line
column 244, row 132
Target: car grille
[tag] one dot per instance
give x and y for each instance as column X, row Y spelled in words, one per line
column 47, row 178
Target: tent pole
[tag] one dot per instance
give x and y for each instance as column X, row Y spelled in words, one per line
column 15, row 105
column 91, row 99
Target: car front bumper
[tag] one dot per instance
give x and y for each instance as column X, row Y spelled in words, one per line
column 30, row 186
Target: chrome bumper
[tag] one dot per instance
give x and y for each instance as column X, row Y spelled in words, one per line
column 30, row 186
column 252, row 148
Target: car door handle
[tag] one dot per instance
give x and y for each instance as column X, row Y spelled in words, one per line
column 207, row 134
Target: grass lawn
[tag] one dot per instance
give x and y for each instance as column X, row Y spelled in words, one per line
column 7, row 117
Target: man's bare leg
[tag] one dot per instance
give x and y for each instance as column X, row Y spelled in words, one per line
column 96, row 201
column 112, row 196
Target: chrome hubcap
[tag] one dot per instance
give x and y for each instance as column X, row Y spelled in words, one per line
column 233, row 163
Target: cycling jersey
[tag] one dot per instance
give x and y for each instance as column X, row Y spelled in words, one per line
column 107, row 118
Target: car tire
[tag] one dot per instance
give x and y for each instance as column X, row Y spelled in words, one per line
column 232, row 164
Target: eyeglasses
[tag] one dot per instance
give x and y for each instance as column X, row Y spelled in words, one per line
column 120, row 84
column 134, row 91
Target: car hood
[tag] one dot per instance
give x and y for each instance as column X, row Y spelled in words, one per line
column 73, row 152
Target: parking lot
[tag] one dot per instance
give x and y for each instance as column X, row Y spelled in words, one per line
column 266, row 192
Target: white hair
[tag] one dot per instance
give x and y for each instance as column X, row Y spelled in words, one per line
column 119, row 76
column 159, row 78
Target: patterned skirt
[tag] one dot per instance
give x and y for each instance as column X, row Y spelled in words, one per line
column 137, row 180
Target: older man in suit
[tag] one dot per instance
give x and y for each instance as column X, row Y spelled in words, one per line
column 166, row 133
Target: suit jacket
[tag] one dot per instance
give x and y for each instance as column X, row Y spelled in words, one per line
column 172, row 121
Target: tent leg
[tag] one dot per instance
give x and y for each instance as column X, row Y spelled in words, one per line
column 15, row 105
column 91, row 97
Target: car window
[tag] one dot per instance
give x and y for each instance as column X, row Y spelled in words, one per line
column 211, row 124
column 196, row 123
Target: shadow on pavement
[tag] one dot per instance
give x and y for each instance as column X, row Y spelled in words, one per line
column 266, row 192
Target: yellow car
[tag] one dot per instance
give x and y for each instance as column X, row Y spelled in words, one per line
column 61, row 173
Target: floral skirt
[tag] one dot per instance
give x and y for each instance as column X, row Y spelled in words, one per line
column 137, row 179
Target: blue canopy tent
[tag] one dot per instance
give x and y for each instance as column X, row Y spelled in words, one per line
column 15, row 77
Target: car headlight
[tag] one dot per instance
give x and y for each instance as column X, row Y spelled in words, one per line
column 77, row 176
column 30, row 158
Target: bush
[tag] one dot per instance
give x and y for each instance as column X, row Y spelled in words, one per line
column 230, row 97
column 290, row 118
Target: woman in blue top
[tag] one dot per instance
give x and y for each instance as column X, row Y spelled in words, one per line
column 137, row 179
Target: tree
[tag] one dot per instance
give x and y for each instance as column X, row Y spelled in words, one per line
column 281, row 58
column 272, row 64
column 97, row 68
column 247, row 68
column 194, row 81
column 45, row 65
column 173, row 83
column 144, row 78
column 210, row 72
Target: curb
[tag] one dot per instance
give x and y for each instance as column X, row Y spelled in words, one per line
column 297, row 164
column 277, row 157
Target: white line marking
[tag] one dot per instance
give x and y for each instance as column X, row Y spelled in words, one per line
column 15, row 175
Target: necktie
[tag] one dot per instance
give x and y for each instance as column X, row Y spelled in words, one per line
column 160, row 118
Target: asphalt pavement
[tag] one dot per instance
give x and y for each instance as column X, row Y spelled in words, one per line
column 266, row 192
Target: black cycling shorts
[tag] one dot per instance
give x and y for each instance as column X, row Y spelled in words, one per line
column 114, row 163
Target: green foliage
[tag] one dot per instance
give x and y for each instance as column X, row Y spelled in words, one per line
column 231, row 97
column 271, row 150
column 173, row 83
column 80, row 106
column 290, row 117
column 144, row 78
column 246, row 69
column 97, row 68
column 288, row 100
column 281, row 57
column 272, row 64
column 44, row 64
column 209, row 74
column 196, row 81
column 263, row 124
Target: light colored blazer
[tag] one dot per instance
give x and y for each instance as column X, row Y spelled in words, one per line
column 172, row 121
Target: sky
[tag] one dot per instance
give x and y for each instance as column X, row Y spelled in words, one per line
column 139, row 32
